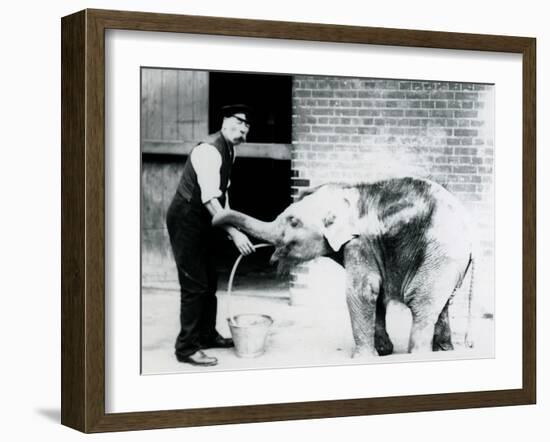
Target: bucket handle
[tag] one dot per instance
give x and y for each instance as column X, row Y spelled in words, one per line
column 231, row 277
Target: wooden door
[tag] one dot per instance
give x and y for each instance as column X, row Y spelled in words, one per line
column 174, row 109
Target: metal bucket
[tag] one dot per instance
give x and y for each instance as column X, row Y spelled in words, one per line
column 249, row 332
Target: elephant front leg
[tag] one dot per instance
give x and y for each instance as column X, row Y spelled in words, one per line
column 361, row 298
column 362, row 288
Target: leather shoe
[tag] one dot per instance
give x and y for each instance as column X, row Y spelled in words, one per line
column 198, row 358
column 218, row 342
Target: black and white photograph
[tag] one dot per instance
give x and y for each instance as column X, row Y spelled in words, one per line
column 264, row 221
column 308, row 220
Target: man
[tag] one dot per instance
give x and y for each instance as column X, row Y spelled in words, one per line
column 201, row 193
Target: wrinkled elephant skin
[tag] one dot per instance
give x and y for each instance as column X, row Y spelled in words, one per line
column 406, row 240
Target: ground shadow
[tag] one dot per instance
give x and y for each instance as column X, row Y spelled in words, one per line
column 52, row 414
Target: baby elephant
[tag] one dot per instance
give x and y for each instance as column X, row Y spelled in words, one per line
column 403, row 239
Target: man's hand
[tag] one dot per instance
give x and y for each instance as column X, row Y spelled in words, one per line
column 241, row 241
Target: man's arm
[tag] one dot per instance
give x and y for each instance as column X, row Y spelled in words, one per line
column 213, row 206
column 240, row 240
column 207, row 162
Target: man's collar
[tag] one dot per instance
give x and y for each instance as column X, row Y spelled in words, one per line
column 227, row 142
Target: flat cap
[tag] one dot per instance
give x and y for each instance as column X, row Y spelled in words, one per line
column 232, row 109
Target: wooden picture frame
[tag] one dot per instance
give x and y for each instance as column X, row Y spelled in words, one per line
column 83, row 220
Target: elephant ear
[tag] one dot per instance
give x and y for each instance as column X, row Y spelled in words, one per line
column 338, row 226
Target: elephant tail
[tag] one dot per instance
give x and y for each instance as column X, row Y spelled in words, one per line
column 468, row 341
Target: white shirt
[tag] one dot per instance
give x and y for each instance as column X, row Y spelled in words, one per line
column 207, row 162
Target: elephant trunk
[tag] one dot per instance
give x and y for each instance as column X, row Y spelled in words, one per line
column 262, row 230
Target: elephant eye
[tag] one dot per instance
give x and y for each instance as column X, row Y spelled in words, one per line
column 294, row 222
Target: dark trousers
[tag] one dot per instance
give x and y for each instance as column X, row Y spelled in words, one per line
column 191, row 239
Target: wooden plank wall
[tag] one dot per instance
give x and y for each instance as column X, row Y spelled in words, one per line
column 174, row 105
column 174, row 109
column 160, row 177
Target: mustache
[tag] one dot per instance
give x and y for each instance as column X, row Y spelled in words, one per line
column 238, row 139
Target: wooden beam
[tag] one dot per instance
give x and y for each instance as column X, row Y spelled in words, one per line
column 272, row 151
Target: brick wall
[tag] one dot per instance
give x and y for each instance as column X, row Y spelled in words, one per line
column 350, row 130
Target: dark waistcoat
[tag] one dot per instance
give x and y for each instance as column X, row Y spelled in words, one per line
column 189, row 188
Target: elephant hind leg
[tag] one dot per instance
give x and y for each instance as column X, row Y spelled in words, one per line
column 421, row 335
column 442, row 333
column 428, row 304
column 428, row 299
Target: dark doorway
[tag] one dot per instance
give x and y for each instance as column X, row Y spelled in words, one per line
column 270, row 96
column 260, row 188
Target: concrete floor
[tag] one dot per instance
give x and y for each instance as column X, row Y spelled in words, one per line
column 315, row 333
